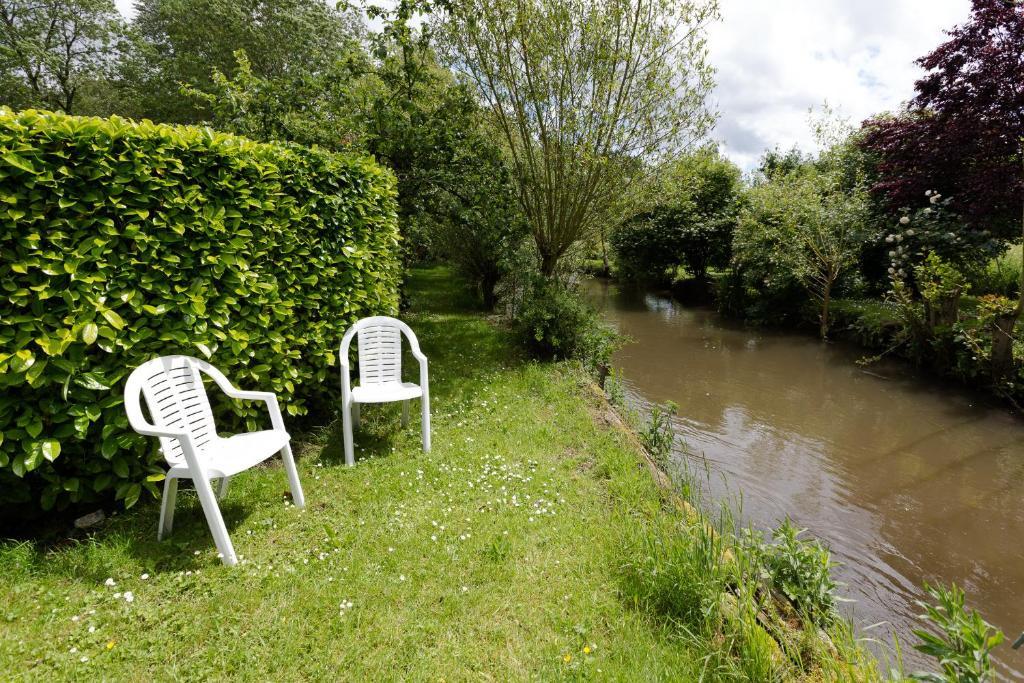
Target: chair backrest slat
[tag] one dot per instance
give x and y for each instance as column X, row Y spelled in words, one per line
column 176, row 398
column 380, row 353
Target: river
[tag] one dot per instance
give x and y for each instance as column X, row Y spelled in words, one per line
column 905, row 478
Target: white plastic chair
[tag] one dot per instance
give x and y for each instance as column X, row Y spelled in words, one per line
column 183, row 420
column 380, row 374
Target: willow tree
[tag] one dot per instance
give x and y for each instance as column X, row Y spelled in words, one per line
column 576, row 86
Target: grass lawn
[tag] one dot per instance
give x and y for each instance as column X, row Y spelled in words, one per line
column 491, row 558
column 532, row 543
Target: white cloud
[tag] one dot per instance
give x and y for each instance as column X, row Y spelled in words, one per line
column 777, row 59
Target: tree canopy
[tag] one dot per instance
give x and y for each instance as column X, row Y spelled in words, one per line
column 696, row 200
column 962, row 133
column 574, row 85
column 52, row 50
column 185, row 42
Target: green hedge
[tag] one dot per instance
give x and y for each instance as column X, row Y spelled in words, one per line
column 121, row 241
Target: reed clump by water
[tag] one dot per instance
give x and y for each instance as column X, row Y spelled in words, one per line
column 768, row 604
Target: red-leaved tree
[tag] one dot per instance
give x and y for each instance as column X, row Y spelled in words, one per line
column 963, row 133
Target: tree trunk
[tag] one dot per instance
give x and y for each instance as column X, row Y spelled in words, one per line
column 947, row 312
column 826, row 298
column 606, row 269
column 1002, row 345
column 940, row 316
column 548, row 265
column 487, row 286
column 942, row 312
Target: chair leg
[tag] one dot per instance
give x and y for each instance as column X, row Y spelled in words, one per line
column 346, row 419
column 293, row 477
column 405, row 413
column 167, row 507
column 355, row 415
column 425, row 407
column 215, row 520
column 224, row 481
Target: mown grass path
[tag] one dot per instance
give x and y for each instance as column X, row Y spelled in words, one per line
column 488, row 559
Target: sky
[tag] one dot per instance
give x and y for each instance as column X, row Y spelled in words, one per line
column 777, row 59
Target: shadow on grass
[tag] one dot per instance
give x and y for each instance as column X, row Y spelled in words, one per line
column 463, row 348
column 94, row 555
column 379, row 428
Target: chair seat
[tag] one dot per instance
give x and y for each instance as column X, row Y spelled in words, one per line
column 386, row 392
column 225, row 457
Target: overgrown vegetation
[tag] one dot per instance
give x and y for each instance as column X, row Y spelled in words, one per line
column 691, row 223
column 802, row 230
column 158, row 240
column 799, row 569
column 524, row 138
column 658, row 436
column 553, row 321
column 964, row 643
column 527, row 543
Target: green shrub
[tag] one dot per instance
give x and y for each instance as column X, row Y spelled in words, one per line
column 615, row 389
column 1001, row 275
column 801, row 570
column 869, row 322
column 937, row 279
column 647, row 246
column 691, row 224
column 552, row 321
column 965, row 641
column 122, row 241
column 804, row 230
column 659, row 435
column 936, row 229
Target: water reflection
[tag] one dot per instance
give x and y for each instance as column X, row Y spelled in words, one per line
column 907, row 479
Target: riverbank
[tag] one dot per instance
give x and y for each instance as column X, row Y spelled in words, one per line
column 959, row 350
column 528, row 544
column 906, row 478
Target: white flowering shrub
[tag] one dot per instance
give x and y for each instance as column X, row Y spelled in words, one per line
column 936, row 229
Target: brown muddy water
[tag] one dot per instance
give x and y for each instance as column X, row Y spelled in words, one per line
column 906, row 479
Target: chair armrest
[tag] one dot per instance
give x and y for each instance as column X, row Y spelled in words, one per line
column 421, row 358
column 414, row 347
column 265, row 396
column 147, row 429
column 424, row 375
column 343, row 367
column 268, row 397
column 141, row 426
column 276, row 421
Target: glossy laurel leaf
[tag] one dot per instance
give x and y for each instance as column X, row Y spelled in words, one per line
column 204, row 244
